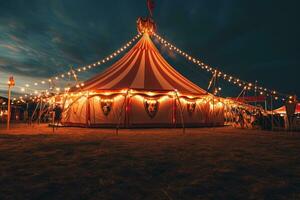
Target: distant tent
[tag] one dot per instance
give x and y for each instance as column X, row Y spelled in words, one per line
column 282, row 110
column 17, row 111
column 141, row 90
column 2, row 100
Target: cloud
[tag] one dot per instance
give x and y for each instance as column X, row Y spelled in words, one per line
column 42, row 38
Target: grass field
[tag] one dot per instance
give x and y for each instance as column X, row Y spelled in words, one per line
column 218, row 163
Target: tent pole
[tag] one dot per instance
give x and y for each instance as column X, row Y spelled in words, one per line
column 215, row 92
column 121, row 112
column 34, row 112
column 255, row 93
column 47, row 111
column 53, row 122
column 88, row 111
column 181, row 112
column 266, row 106
column 66, row 94
column 240, row 94
column 41, row 103
column 174, row 120
column 8, row 107
column 27, row 110
column 211, row 81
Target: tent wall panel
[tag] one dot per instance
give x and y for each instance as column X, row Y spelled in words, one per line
column 133, row 113
column 196, row 115
column 115, row 116
column 216, row 114
column 204, row 114
column 76, row 113
column 138, row 115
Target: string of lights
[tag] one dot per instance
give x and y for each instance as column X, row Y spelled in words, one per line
column 32, row 91
column 229, row 78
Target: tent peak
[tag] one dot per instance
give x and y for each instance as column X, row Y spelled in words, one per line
column 146, row 25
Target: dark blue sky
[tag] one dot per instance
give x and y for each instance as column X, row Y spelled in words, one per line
column 252, row 39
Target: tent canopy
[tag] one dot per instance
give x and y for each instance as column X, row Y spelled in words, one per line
column 142, row 68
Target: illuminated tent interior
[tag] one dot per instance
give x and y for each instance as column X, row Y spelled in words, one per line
column 141, row 90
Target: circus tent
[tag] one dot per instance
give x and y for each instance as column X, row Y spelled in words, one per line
column 141, row 90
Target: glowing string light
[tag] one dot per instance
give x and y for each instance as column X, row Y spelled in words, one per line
column 230, row 79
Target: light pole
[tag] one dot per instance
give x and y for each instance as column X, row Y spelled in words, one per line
column 11, row 83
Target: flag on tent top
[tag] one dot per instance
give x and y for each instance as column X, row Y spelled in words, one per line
column 151, row 6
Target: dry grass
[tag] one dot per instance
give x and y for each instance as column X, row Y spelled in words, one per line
column 220, row 163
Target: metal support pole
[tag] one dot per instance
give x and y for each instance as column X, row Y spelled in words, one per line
column 255, row 93
column 215, row 92
column 272, row 117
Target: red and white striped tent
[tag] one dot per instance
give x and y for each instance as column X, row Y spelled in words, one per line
column 141, row 90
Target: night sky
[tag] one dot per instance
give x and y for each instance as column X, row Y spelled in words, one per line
column 251, row 39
